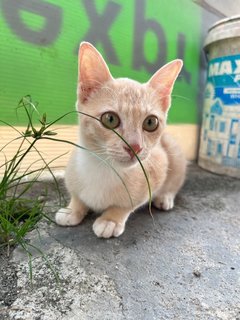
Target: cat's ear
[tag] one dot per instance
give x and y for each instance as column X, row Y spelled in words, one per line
column 163, row 81
column 92, row 70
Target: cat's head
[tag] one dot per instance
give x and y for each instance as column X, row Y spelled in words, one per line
column 135, row 111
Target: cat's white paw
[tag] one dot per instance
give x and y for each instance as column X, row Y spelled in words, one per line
column 107, row 228
column 65, row 217
column 164, row 202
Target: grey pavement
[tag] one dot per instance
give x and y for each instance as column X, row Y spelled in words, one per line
column 182, row 265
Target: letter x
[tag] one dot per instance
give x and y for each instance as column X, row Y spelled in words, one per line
column 100, row 25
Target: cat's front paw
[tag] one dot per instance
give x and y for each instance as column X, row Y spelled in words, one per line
column 164, row 202
column 66, row 217
column 106, row 228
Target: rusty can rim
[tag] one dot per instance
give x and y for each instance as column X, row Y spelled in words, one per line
column 223, row 29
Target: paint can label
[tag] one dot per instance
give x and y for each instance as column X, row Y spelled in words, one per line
column 220, row 134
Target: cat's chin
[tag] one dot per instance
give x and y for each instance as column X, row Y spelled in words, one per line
column 126, row 163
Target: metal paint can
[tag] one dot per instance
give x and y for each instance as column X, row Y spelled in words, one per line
column 220, row 133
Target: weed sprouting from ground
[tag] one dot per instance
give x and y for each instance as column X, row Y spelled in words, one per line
column 20, row 212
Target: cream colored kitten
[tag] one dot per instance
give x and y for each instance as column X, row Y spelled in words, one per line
column 137, row 112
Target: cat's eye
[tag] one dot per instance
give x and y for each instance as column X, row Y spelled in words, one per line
column 110, row 120
column 150, row 123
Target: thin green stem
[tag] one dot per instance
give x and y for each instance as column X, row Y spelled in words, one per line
column 24, row 155
column 94, row 154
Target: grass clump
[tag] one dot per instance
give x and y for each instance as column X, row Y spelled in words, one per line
column 19, row 212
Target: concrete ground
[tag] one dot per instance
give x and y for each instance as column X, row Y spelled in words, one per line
column 184, row 265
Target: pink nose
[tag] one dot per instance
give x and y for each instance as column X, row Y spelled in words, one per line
column 136, row 148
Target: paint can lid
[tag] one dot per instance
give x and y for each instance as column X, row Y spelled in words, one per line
column 223, row 29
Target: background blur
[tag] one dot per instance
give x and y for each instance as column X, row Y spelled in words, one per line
column 39, row 45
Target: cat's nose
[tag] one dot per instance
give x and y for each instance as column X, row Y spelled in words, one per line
column 135, row 147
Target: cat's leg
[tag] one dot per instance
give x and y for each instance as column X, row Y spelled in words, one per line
column 164, row 198
column 111, row 223
column 73, row 214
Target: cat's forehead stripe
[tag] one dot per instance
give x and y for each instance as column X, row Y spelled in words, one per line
column 132, row 96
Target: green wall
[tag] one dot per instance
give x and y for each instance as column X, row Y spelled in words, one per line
column 40, row 39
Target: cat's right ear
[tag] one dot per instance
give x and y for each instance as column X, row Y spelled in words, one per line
column 92, row 71
column 163, row 81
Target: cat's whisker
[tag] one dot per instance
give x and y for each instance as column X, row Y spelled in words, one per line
column 99, row 152
column 95, row 152
column 181, row 97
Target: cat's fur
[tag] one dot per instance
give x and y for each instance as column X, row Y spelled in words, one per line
column 91, row 182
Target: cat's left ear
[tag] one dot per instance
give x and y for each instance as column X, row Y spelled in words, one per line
column 163, row 81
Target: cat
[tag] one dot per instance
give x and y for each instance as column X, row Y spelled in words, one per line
column 109, row 179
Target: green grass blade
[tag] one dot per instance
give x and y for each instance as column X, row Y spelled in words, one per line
column 94, row 154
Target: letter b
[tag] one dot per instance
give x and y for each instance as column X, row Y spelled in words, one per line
column 141, row 27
